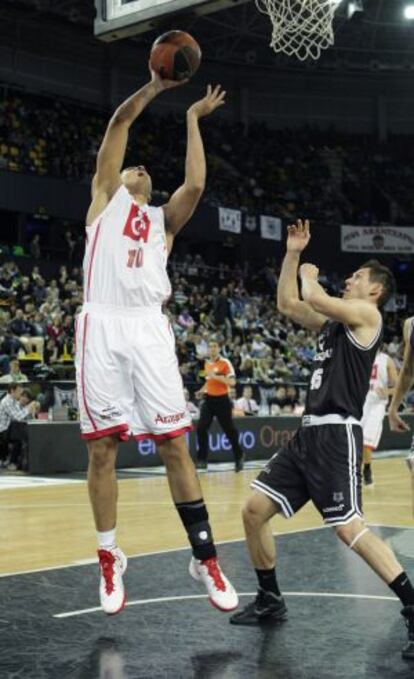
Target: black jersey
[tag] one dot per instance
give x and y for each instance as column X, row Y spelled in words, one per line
column 341, row 372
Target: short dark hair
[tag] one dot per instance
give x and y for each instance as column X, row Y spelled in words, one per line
column 378, row 273
column 12, row 386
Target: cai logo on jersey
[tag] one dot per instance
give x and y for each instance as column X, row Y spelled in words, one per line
column 137, row 225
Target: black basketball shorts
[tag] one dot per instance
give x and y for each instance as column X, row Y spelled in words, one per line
column 321, row 463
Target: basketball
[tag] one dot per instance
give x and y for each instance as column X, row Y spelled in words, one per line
column 175, row 55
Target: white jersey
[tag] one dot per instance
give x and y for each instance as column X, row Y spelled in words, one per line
column 379, row 379
column 125, row 263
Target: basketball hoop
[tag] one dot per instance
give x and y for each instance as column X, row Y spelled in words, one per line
column 301, row 28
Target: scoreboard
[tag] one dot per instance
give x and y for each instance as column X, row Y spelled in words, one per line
column 117, row 19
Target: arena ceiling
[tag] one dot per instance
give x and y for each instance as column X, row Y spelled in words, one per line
column 377, row 39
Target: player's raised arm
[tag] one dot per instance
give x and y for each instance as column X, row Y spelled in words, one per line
column 184, row 200
column 111, row 154
column 288, row 301
column 404, row 382
column 351, row 312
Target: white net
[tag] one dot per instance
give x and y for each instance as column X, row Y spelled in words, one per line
column 301, row 28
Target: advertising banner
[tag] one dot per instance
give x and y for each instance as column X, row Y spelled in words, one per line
column 377, row 239
column 57, row 447
column 229, row 220
column 270, row 227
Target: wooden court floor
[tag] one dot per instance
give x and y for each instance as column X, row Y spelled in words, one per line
column 50, row 526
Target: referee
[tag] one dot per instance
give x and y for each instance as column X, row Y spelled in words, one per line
column 220, row 377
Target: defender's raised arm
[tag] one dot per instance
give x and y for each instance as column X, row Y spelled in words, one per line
column 288, row 301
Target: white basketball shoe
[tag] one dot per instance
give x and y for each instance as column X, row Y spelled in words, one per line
column 221, row 592
column 112, row 564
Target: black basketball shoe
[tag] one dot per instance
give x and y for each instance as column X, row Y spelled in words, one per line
column 266, row 608
column 408, row 650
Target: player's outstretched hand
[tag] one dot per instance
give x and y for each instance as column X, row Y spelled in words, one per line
column 213, row 99
column 298, row 236
column 396, row 423
column 161, row 84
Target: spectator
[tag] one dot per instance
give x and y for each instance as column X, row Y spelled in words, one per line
column 39, row 290
column 25, row 331
column 19, row 326
column 39, row 325
column 10, row 345
column 201, row 345
column 55, row 328
column 247, row 404
column 246, row 371
column 281, row 370
column 35, row 247
column 53, row 292
column 222, row 313
column 180, row 298
column 15, row 376
column 24, row 291
column 259, row 348
column 278, row 402
column 292, row 396
column 236, row 412
column 70, row 244
column 51, row 351
column 13, row 429
column 186, row 320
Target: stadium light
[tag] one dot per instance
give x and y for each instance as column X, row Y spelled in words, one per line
column 409, row 11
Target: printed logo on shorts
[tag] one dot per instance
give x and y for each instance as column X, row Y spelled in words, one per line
column 336, row 508
column 110, row 411
column 169, row 419
column 338, row 497
column 137, row 225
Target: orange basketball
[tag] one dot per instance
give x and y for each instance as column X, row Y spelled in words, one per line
column 175, row 55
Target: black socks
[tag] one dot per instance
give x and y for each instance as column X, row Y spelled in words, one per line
column 267, row 580
column 403, row 589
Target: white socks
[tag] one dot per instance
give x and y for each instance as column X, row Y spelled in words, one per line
column 106, row 539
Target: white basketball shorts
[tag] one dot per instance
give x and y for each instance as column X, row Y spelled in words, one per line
column 127, row 374
column 371, row 423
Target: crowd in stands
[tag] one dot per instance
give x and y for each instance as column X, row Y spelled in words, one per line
column 329, row 176
column 37, row 316
column 235, row 306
